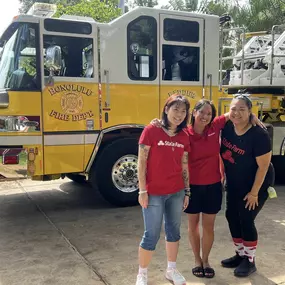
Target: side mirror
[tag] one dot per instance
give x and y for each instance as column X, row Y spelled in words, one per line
column 53, row 58
column 53, row 62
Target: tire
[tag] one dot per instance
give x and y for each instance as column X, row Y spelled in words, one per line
column 80, row 179
column 115, row 172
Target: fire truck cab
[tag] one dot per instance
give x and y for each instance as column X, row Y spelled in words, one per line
column 76, row 94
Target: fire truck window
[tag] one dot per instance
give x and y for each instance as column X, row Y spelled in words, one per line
column 180, row 63
column 142, row 48
column 71, row 27
column 77, row 55
column 181, row 31
column 19, row 67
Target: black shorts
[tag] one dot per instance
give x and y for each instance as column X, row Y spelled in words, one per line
column 205, row 199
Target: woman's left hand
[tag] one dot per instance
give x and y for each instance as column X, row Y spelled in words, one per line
column 186, row 202
column 252, row 201
column 255, row 121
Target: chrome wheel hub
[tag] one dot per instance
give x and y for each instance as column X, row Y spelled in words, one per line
column 125, row 173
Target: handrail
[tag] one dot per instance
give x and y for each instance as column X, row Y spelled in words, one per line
column 222, row 30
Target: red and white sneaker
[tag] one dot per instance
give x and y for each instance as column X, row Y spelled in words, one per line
column 141, row 279
column 173, row 275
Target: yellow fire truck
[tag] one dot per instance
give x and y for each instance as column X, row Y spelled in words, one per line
column 76, row 94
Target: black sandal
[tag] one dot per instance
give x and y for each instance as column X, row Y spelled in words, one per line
column 198, row 271
column 209, row 272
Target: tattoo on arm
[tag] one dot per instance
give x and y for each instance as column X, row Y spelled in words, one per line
column 142, row 165
column 185, row 171
column 144, row 151
column 185, row 176
column 185, row 158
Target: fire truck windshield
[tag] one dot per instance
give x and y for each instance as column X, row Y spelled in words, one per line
column 19, row 64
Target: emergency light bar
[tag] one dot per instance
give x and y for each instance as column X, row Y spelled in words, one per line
column 42, row 10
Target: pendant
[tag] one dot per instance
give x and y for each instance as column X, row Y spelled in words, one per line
column 172, row 148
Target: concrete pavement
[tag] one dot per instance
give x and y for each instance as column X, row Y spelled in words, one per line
column 62, row 233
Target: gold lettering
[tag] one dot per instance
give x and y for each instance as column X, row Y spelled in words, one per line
column 70, row 87
column 82, row 116
column 53, row 113
column 73, row 88
column 79, row 88
column 52, row 91
column 74, row 117
column 63, row 88
column 89, row 92
column 59, row 116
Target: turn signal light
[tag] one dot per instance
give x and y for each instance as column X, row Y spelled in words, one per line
column 10, row 159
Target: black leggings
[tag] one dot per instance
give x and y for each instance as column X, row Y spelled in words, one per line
column 240, row 219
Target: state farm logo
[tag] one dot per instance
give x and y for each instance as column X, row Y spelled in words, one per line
column 167, row 143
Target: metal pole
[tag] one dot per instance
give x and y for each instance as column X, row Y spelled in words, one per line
column 221, row 58
column 272, row 54
column 122, row 6
column 242, row 57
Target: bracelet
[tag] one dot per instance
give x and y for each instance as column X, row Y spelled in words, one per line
column 142, row 192
column 255, row 196
column 187, row 192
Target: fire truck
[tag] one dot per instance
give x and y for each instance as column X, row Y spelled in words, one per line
column 76, row 94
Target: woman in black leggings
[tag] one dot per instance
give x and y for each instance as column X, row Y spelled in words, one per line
column 246, row 153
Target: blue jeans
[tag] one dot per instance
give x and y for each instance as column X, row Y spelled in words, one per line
column 167, row 206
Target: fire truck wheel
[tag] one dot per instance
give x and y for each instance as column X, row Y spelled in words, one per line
column 115, row 172
column 76, row 178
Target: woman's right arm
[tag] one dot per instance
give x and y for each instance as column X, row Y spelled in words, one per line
column 142, row 169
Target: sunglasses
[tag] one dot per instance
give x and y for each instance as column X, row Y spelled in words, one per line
column 245, row 98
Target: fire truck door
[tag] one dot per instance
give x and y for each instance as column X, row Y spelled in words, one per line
column 181, row 57
column 70, row 96
column 20, row 93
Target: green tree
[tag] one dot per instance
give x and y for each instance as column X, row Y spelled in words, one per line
column 100, row 11
column 260, row 15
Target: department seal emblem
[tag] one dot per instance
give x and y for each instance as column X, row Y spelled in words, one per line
column 71, row 103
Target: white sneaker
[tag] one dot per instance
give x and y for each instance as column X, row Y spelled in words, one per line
column 173, row 275
column 141, row 279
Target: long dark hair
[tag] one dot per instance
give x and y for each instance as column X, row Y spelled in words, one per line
column 199, row 105
column 175, row 99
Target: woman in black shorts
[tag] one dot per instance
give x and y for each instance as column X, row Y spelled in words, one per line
column 246, row 153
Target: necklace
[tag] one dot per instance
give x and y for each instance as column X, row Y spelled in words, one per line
column 243, row 130
column 171, row 134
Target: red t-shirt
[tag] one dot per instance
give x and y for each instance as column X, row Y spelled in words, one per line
column 164, row 165
column 204, row 159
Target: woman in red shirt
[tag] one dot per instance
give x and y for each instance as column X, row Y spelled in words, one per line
column 206, row 187
column 164, row 185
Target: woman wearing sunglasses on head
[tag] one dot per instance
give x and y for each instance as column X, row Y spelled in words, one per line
column 246, row 153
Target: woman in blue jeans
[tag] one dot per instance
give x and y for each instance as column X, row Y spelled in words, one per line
column 164, row 185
